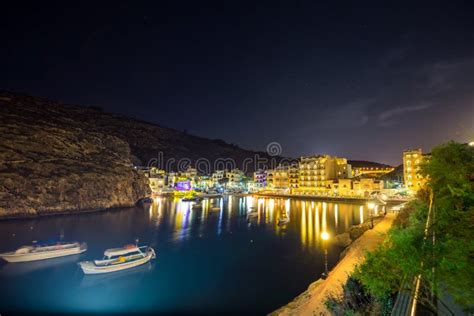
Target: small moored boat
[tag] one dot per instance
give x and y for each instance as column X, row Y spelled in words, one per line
column 119, row 259
column 42, row 251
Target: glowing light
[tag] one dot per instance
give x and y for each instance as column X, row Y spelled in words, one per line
column 183, row 185
column 325, row 236
column 310, row 226
column 287, row 206
column 324, row 216
column 303, row 224
column 371, row 205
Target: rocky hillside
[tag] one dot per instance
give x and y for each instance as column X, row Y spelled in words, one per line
column 51, row 162
column 56, row 157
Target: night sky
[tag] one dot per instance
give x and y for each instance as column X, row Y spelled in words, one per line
column 362, row 82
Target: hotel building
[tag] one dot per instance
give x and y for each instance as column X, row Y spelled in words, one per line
column 281, row 179
column 294, row 176
column 412, row 160
column 315, row 171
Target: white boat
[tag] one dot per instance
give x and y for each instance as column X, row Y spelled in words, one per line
column 42, row 251
column 118, row 259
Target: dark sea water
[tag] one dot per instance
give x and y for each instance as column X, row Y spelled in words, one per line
column 208, row 261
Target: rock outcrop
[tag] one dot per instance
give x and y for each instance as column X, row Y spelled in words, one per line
column 57, row 157
column 52, row 162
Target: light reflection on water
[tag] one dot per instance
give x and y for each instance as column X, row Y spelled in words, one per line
column 206, row 249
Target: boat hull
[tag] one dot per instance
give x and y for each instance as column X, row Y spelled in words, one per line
column 34, row 256
column 89, row 267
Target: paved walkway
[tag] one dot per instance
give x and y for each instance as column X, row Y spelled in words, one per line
column 311, row 302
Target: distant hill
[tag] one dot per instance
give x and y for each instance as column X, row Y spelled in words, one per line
column 395, row 175
column 146, row 140
column 370, row 164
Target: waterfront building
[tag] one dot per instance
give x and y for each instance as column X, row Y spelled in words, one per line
column 157, row 179
column 365, row 186
column 353, row 187
column 190, row 173
column 269, row 176
column 343, row 170
column 235, row 177
column 217, row 176
column 260, row 178
column 345, row 187
column 294, row 176
column 172, row 178
column 203, row 183
column 412, row 160
column 281, row 179
column 315, row 171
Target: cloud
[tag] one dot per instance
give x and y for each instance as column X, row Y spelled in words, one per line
column 416, row 88
column 387, row 118
column 443, row 76
column 353, row 114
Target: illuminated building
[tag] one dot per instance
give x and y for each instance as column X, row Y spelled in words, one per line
column 157, row 178
column 235, row 176
column 315, row 171
column 190, row 173
column 294, row 176
column 365, row 186
column 172, row 179
column 269, row 176
column 412, row 160
column 354, row 187
column 217, row 176
column 260, row 178
column 203, row 183
column 343, row 187
column 182, row 184
column 343, row 170
column 281, row 178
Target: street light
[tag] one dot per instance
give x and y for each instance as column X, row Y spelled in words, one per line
column 371, row 206
column 325, row 238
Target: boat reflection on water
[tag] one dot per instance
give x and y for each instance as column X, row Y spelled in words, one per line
column 127, row 277
column 21, row 268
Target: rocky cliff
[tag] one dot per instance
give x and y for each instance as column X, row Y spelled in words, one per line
column 51, row 162
column 56, row 157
